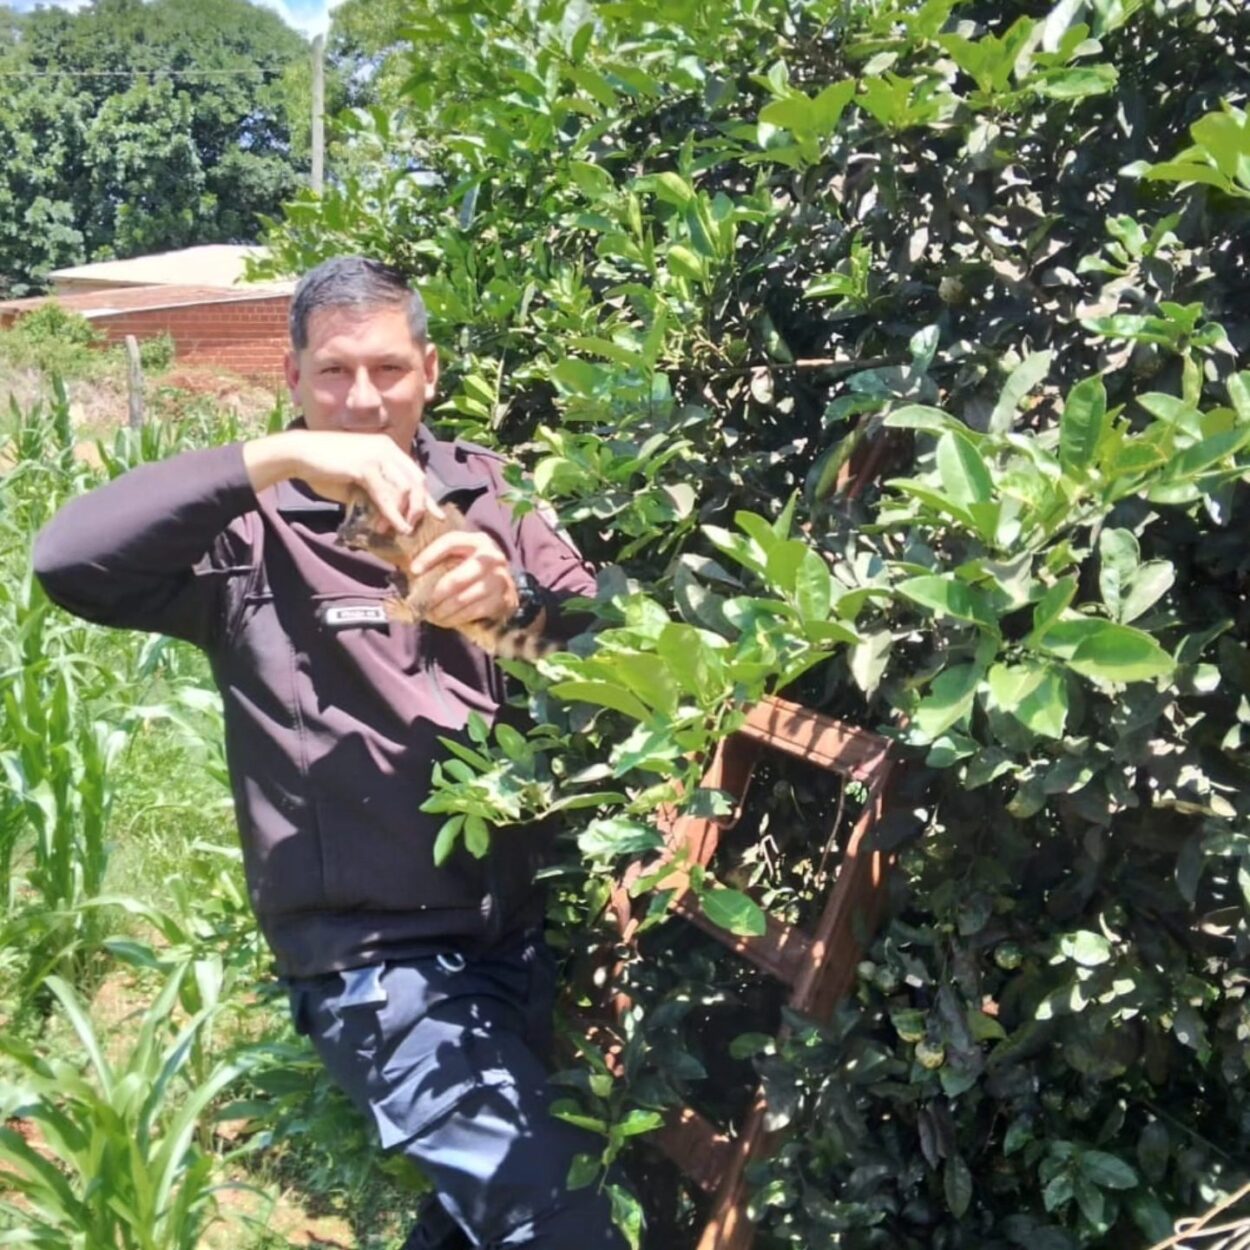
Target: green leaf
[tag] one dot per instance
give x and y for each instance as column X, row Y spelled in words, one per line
column 1024, row 377
column 746, row 1045
column 985, row 1028
column 1081, row 425
column 1107, row 1171
column 784, row 561
column 604, row 694
column 922, row 417
column 583, row 1171
column 1239, row 394
column 869, row 660
column 957, row 1185
column 1200, row 457
column 1118, row 558
column 965, row 478
column 618, row 835
column 1085, row 948
column 638, row 1122
column 593, row 180
column 813, row 587
column 1090, row 1200
column 950, row 597
column 627, row 1215
column 1010, row 683
column 830, row 103
column 1051, row 606
column 1044, row 711
column 793, row 113
column 476, row 835
column 445, row 843
column 686, row 264
column 1058, row 1192
column 1076, row 84
column 1117, row 653
column 948, row 702
column 735, row 911
column 759, row 531
column 1151, row 1216
column 674, row 188
column 1151, row 582
column 801, row 115
column 1154, row 1148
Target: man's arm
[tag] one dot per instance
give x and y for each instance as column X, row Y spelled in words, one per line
column 135, row 552
column 138, row 551
column 558, row 568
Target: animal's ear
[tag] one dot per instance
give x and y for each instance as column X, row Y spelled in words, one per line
column 356, row 527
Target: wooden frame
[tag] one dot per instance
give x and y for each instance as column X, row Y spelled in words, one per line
column 817, row 964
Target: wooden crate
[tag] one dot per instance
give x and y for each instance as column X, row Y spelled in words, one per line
column 818, row 965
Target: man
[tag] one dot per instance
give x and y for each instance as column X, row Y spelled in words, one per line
column 427, row 991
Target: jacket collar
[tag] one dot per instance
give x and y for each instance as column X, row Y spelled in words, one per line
column 446, row 472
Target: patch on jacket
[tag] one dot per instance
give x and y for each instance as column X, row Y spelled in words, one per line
column 353, row 616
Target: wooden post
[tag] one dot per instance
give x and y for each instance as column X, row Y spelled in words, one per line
column 134, row 382
column 318, row 113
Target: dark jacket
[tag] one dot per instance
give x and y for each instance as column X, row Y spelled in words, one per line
column 332, row 721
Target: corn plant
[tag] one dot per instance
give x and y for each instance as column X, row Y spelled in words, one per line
column 57, row 763
column 116, row 1165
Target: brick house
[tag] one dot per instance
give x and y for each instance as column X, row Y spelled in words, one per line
column 242, row 329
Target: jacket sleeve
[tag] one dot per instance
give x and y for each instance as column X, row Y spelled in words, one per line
column 549, row 556
column 149, row 550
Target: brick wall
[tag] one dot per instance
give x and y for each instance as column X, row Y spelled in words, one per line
column 247, row 337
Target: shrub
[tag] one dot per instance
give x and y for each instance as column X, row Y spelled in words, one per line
column 697, row 258
column 53, row 339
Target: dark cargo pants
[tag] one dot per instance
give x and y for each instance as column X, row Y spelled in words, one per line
column 443, row 1054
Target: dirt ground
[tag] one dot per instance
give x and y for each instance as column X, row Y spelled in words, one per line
column 99, row 404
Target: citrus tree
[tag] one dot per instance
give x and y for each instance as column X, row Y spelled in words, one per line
column 690, row 263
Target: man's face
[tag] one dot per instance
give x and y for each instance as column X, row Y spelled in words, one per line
column 361, row 371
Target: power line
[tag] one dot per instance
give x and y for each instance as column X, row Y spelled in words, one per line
column 141, row 73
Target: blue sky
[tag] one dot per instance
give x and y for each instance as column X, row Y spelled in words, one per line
column 308, row 16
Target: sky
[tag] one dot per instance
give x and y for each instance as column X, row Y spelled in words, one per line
column 310, row 17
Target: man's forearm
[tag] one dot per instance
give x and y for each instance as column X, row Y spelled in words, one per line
column 275, row 458
column 120, row 553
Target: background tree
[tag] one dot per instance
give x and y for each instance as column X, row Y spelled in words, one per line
column 130, row 127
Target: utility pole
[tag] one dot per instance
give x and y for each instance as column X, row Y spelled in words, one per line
column 318, row 112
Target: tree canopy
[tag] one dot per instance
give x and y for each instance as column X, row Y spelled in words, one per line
column 130, row 127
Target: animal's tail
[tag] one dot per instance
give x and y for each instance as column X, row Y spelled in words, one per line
column 506, row 643
column 520, row 644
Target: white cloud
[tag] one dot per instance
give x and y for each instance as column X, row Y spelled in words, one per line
column 309, row 17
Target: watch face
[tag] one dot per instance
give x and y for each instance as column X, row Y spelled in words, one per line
column 529, row 600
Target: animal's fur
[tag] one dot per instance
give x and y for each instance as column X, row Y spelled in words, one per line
column 359, row 531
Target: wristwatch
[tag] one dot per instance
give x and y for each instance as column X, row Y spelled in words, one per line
column 529, row 598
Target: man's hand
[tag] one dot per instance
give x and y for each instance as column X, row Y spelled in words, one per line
column 334, row 463
column 477, row 584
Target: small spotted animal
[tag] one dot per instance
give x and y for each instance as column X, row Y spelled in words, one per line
column 498, row 638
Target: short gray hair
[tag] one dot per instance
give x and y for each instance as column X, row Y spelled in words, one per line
column 354, row 282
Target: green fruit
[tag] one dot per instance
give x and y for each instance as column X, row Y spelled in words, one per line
column 1008, row 956
column 930, row 1055
column 909, row 1025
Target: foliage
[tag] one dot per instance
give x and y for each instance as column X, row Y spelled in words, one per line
column 688, row 260
column 69, row 812
column 117, row 1166
column 134, row 127
column 54, row 339
column 72, row 706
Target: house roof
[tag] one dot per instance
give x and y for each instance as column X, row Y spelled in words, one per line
column 209, row 265
column 93, row 304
